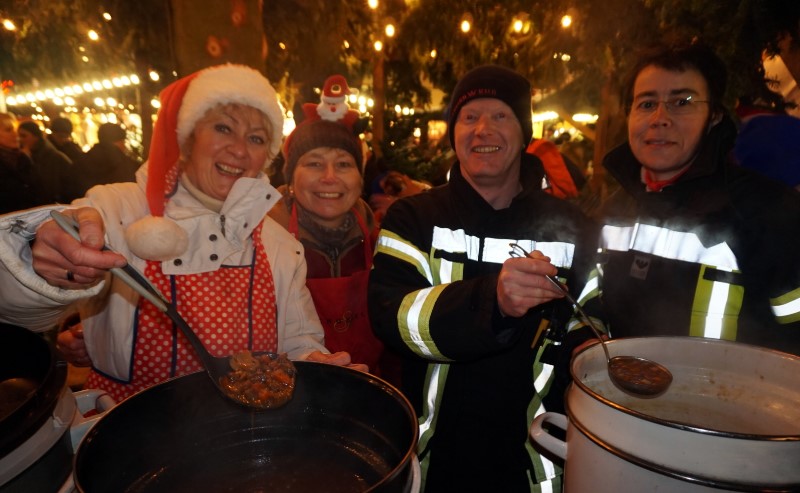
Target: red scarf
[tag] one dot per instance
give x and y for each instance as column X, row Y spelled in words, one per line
column 654, row 185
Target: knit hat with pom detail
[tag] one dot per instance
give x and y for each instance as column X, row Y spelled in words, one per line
column 311, row 134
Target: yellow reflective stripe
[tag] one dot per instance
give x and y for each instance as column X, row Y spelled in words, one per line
column 702, row 297
column 715, row 309
column 393, row 245
column 541, row 463
column 543, row 469
column 787, row 307
column 445, row 272
column 590, row 290
column 434, row 385
column 665, row 243
column 442, row 269
column 434, row 389
column 413, row 320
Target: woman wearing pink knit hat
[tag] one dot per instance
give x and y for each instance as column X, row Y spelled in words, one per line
column 195, row 223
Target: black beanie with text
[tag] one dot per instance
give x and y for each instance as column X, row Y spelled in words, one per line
column 494, row 82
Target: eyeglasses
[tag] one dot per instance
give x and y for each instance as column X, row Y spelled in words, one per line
column 685, row 105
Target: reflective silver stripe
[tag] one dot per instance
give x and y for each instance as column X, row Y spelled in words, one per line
column 456, row 241
column 445, row 271
column 550, row 470
column 786, row 309
column 412, row 319
column 561, row 253
column 391, row 243
column 590, row 290
column 574, row 323
column 543, row 378
column 547, row 464
column 429, row 411
column 545, row 374
column 547, row 486
column 495, row 250
column 669, row 244
column 591, row 285
column 716, row 310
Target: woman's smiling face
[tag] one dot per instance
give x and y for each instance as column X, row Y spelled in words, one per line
column 327, row 183
column 665, row 143
column 228, row 143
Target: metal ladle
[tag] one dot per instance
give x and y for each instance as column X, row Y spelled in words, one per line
column 636, row 376
column 216, row 367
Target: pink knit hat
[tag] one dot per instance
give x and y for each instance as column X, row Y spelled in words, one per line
column 183, row 103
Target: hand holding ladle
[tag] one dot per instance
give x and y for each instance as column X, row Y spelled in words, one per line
column 637, row 376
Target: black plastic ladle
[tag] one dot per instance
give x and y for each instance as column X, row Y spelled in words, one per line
column 636, row 376
column 216, row 367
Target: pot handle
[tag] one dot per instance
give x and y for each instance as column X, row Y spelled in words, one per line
column 544, row 439
column 92, row 405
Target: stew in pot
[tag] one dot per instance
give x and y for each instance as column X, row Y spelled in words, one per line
column 264, row 381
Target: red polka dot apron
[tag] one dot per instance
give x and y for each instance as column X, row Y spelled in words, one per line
column 341, row 304
column 230, row 309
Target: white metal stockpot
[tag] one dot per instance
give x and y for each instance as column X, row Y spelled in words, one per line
column 730, row 421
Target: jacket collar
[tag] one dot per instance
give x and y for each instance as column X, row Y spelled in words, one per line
column 531, row 174
column 246, row 204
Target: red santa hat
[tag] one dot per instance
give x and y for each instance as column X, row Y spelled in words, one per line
column 183, row 103
column 335, row 89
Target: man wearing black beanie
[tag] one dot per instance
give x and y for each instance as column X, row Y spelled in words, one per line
column 496, row 82
column 480, row 330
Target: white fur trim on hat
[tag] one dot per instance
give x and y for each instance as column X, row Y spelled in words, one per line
column 226, row 84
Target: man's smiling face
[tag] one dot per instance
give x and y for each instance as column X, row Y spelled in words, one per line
column 488, row 142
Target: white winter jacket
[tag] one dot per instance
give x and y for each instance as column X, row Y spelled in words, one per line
column 108, row 309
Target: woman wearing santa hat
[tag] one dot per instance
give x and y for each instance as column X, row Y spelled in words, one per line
column 195, row 223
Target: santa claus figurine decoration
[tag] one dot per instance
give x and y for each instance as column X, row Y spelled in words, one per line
column 333, row 103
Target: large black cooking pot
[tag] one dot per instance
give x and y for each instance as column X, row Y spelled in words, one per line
column 343, row 431
column 32, row 382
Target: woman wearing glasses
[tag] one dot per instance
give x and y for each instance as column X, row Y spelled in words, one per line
column 692, row 244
